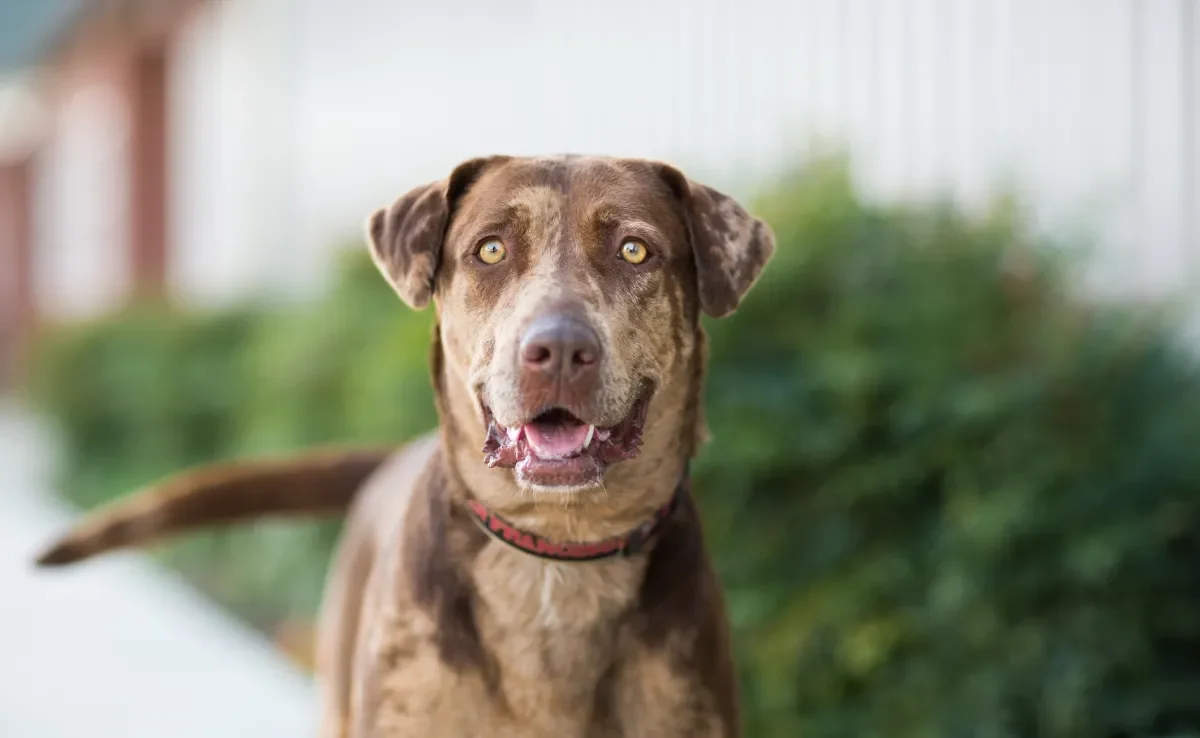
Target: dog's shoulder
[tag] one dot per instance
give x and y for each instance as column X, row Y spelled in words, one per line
column 421, row 544
column 677, row 645
column 385, row 497
column 418, row 640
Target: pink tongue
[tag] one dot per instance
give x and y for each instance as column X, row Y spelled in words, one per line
column 556, row 440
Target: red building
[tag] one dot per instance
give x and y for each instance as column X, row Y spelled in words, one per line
column 87, row 101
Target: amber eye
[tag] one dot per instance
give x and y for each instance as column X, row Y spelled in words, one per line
column 634, row 252
column 491, row 251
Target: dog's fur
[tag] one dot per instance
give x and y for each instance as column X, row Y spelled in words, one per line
column 429, row 626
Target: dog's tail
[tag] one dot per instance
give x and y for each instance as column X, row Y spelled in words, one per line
column 319, row 482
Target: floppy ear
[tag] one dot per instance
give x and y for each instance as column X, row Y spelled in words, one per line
column 729, row 245
column 406, row 238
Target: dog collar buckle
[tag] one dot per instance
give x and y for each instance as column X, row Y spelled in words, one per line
column 637, row 539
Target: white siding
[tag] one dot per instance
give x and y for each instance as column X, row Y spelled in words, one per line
column 1089, row 106
column 231, row 148
column 80, row 266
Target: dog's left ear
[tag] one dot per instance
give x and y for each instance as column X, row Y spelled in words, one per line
column 406, row 238
column 730, row 245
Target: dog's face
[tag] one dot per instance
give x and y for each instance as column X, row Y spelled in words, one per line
column 568, row 293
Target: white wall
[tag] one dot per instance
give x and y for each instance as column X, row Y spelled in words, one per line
column 80, row 258
column 1090, row 105
column 231, row 152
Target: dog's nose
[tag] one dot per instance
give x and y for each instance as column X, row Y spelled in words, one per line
column 560, row 347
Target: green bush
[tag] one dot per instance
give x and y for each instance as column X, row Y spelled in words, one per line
column 141, row 394
column 947, row 496
column 152, row 390
column 354, row 367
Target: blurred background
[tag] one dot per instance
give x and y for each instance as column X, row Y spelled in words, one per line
column 955, row 482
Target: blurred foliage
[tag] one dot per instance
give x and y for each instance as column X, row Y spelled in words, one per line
column 947, row 496
column 153, row 390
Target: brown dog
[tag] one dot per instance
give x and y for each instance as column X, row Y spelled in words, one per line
column 558, row 584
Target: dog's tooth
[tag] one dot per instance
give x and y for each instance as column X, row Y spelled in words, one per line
column 590, row 434
column 603, row 434
column 514, row 433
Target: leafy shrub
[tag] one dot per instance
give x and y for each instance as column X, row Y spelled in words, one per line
column 352, row 367
column 152, row 390
column 950, row 498
column 947, row 496
column 142, row 393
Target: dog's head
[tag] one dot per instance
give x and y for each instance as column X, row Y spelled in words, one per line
column 568, row 292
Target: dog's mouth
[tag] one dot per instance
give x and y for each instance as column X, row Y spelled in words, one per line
column 558, row 448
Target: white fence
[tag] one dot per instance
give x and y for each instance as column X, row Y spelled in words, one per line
column 1090, row 106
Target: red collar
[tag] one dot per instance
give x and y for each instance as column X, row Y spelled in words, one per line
column 624, row 545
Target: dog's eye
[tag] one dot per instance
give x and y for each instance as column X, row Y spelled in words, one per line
column 491, row 251
column 634, row 251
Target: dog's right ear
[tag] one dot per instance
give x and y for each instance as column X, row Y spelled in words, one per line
column 406, row 238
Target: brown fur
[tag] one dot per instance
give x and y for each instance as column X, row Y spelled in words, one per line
column 432, row 628
column 321, row 481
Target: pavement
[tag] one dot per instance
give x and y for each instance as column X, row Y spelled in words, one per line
column 120, row 647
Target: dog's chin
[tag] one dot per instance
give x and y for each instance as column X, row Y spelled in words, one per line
column 557, row 451
column 572, row 476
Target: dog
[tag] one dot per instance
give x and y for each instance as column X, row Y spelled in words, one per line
column 555, row 582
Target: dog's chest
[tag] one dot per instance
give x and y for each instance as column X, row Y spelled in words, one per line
column 552, row 618
column 562, row 662
column 553, row 629
column 553, row 632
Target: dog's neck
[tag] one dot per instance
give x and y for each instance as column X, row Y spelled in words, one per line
column 630, row 543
